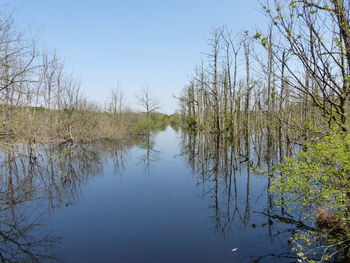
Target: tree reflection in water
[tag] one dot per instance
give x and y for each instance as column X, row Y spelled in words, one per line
column 150, row 154
column 224, row 166
column 35, row 179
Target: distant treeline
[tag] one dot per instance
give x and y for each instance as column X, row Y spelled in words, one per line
column 81, row 124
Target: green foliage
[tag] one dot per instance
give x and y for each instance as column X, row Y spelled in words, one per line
column 190, row 121
column 228, row 121
column 39, row 109
column 156, row 121
column 142, row 125
column 257, row 36
column 318, row 178
column 174, row 119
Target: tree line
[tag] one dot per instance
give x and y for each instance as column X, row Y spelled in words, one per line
column 294, row 73
column 40, row 101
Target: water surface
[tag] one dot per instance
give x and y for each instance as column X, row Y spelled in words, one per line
column 167, row 197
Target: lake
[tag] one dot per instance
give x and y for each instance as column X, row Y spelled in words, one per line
column 166, row 197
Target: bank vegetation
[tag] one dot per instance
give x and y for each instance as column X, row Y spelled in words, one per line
column 41, row 102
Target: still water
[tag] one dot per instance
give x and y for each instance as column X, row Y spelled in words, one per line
column 167, row 197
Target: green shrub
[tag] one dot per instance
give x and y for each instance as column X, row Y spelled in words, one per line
column 317, row 181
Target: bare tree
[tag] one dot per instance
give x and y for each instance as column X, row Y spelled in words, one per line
column 147, row 101
column 115, row 104
column 316, row 35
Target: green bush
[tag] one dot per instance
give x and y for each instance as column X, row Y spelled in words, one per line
column 317, row 181
column 191, row 122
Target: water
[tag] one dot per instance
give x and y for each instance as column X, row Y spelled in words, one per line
column 170, row 197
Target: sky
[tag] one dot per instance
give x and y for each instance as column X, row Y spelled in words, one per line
column 156, row 43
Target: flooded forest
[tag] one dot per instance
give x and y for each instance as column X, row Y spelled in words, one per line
column 254, row 166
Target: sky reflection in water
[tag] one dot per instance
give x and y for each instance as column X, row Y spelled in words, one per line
column 169, row 197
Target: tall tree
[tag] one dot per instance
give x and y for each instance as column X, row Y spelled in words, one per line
column 317, row 35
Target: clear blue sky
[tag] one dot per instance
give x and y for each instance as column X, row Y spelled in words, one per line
column 153, row 42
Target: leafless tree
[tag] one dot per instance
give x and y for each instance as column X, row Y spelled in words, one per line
column 316, row 35
column 115, row 104
column 146, row 100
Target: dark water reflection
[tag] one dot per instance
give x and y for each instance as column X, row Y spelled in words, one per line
column 166, row 197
